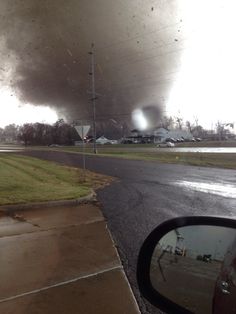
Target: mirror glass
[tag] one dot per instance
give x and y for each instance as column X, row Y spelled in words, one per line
column 195, row 267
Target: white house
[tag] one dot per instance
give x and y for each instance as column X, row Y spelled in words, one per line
column 161, row 134
column 103, row 140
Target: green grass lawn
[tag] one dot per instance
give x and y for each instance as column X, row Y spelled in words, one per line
column 26, row 179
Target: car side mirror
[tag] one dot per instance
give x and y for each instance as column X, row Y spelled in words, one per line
column 188, row 265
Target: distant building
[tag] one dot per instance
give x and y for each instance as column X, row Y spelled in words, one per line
column 161, row 134
column 103, row 140
column 156, row 136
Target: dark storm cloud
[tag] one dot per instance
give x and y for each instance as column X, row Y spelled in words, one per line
column 46, row 44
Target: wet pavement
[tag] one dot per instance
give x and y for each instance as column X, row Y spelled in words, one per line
column 225, row 150
column 129, row 148
column 10, row 148
column 60, row 260
column 217, row 188
column 146, row 194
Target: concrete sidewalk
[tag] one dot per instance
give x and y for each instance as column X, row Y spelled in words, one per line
column 61, row 260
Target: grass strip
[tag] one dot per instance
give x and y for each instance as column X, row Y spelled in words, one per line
column 27, row 179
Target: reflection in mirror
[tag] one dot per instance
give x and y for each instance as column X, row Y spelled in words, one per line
column 195, row 267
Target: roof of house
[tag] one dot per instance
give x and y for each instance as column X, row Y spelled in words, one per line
column 160, row 131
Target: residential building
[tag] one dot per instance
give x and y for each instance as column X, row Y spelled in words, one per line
column 161, row 135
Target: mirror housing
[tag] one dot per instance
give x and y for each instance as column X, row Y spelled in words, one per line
column 148, row 247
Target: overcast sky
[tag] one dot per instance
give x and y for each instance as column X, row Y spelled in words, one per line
column 200, row 240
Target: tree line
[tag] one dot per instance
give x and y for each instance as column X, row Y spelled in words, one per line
column 221, row 130
column 60, row 133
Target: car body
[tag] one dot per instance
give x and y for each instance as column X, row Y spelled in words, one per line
column 225, row 288
column 170, row 139
column 111, row 142
column 166, row 145
column 105, row 141
column 221, row 293
column 178, row 140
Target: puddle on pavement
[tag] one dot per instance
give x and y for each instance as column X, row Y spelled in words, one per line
column 14, row 225
column 225, row 150
column 226, row 190
column 10, row 150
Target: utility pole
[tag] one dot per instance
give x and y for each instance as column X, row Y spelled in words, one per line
column 94, row 97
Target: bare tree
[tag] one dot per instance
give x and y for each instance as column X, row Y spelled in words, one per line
column 223, row 130
column 179, row 122
column 198, row 131
column 167, row 122
column 1, row 135
column 196, row 121
column 189, row 126
column 26, row 133
column 220, row 130
column 11, row 132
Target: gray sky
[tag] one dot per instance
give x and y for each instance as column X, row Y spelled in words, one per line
column 205, row 239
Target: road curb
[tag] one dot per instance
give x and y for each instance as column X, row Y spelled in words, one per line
column 122, row 267
column 91, row 197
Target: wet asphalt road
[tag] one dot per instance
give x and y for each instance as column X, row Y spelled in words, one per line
column 147, row 193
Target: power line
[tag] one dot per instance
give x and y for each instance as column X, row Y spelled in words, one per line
column 121, row 64
column 132, row 83
column 106, row 116
column 150, row 77
column 99, row 49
